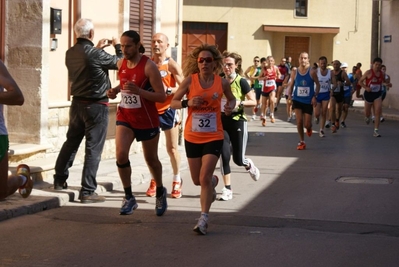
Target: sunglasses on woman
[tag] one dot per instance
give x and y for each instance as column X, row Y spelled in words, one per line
column 206, row 59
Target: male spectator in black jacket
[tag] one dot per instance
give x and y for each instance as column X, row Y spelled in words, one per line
column 88, row 117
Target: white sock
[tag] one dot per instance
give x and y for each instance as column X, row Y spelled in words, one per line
column 176, row 178
column 205, row 216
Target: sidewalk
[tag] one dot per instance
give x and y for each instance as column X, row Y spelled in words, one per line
column 387, row 113
column 43, row 196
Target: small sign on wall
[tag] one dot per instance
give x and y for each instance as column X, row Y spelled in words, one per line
column 387, row 38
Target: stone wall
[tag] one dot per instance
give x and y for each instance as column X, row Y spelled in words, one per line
column 24, row 59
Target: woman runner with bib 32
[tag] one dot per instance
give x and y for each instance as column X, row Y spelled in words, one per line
column 203, row 132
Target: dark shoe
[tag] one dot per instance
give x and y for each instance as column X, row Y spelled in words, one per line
column 161, row 203
column 92, row 198
column 60, row 185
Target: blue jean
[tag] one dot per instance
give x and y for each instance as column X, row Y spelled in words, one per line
column 89, row 120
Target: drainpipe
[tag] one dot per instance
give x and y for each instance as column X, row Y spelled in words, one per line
column 375, row 30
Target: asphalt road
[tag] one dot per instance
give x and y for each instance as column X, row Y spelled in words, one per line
column 334, row 204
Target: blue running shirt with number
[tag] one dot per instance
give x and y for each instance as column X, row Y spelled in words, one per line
column 303, row 87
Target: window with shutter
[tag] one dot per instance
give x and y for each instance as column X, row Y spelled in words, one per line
column 142, row 20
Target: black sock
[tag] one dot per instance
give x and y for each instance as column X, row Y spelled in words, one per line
column 128, row 192
column 159, row 191
column 228, row 187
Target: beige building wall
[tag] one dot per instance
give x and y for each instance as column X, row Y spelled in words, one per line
column 246, row 20
column 41, row 72
column 389, row 50
column 169, row 22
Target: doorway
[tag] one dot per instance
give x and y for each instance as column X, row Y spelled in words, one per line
column 294, row 45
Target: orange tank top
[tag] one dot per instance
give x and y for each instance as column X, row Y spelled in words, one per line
column 204, row 123
column 169, row 81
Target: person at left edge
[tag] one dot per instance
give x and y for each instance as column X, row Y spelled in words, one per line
column 137, row 118
column 11, row 94
column 88, row 116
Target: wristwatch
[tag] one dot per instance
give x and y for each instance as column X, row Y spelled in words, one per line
column 169, row 91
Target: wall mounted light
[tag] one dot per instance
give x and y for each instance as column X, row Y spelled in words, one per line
column 54, row 44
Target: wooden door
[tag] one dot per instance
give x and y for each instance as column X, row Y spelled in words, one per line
column 294, row 45
column 197, row 33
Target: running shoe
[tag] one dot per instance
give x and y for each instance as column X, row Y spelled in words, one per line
column 301, row 145
column 253, row 170
column 376, row 134
column 382, row 119
column 336, row 125
column 215, row 181
column 176, row 189
column 293, row 116
column 202, row 226
column 316, row 120
column 309, row 132
column 227, row 194
column 263, row 121
column 161, row 204
column 128, row 206
column 367, row 120
column 333, row 128
column 253, row 117
column 328, row 124
column 289, row 119
column 272, row 119
column 152, row 189
column 343, row 125
column 321, row 133
column 27, row 187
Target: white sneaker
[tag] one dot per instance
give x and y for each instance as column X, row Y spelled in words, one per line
column 227, row 194
column 293, row 116
column 202, row 226
column 253, row 117
column 253, row 171
column 289, row 119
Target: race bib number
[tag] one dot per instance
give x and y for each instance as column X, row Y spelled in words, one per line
column 130, row 100
column 204, row 122
column 375, row 87
column 303, row 91
column 324, row 87
column 270, row 83
column 282, row 77
column 223, row 103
